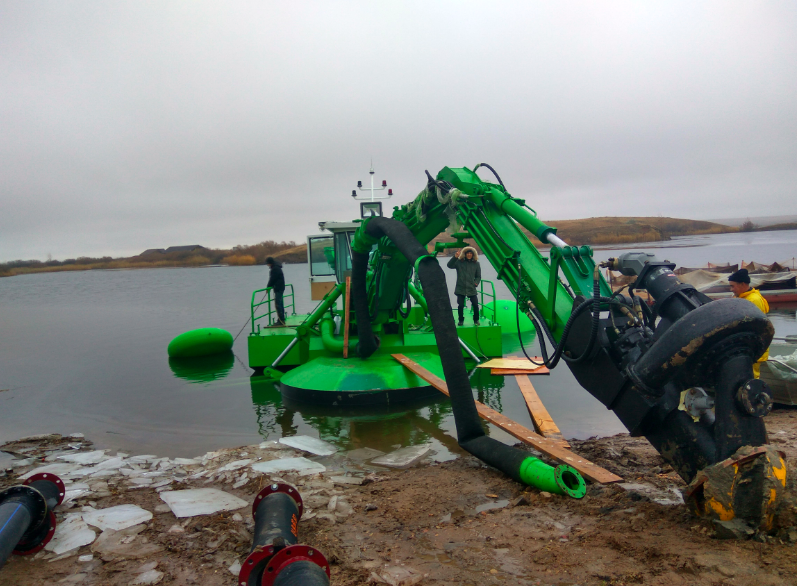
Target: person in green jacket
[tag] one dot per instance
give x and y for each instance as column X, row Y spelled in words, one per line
column 469, row 275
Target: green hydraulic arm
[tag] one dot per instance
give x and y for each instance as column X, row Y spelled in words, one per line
column 489, row 215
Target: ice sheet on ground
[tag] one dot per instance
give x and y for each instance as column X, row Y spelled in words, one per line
column 70, row 534
column 75, row 490
column 200, row 501
column 186, row 461
column 5, row 460
column 111, row 464
column 148, row 577
column 57, row 469
column 124, row 543
column 402, row 457
column 309, row 444
column 117, row 518
column 235, row 465
column 301, row 465
column 356, row 480
column 85, row 458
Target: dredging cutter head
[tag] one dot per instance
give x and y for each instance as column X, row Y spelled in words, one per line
column 742, row 493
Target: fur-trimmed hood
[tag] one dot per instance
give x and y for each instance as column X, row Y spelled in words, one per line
column 469, row 249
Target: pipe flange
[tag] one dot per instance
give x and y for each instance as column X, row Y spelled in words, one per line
column 21, row 491
column 34, row 542
column 49, row 478
column 279, row 487
column 754, row 398
column 290, row 555
column 251, row 573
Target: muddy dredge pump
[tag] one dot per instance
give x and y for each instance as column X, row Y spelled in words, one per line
column 638, row 360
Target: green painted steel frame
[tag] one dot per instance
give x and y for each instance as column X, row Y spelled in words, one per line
column 267, row 301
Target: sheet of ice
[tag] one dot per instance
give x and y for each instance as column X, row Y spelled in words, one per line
column 57, row 469
column 402, row 457
column 69, row 534
column 111, row 464
column 148, row 577
column 301, row 465
column 234, row 465
column 363, row 454
column 5, row 460
column 118, row 517
column 309, row 444
column 75, row 490
column 186, row 461
column 200, row 501
column 85, row 458
column 142, row 459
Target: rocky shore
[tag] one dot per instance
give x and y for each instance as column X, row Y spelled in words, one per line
column 400, row 518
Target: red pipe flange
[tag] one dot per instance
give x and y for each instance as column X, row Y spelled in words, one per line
column 49, row 478
column 279, row 487
column 291, row 555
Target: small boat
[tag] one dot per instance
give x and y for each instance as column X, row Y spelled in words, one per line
column 780, row 370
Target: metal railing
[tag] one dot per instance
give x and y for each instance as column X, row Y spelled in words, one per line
column 482, row 307
column 267, row 300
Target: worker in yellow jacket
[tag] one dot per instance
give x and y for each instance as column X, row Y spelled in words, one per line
column 740, row 285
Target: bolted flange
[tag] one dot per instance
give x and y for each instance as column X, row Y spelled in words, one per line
column 754, row 398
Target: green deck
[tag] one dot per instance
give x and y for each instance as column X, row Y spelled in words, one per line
column 267, row 344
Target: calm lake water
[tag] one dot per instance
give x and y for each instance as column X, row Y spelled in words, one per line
column 86, row 352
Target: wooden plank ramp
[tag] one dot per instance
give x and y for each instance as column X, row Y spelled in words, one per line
column 550, row 448
column 346, row 318
column 543, row 422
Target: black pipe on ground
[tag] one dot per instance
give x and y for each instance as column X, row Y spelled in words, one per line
column 275, row 550
column 27, row 521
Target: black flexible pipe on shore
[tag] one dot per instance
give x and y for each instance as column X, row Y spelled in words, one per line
column 470, row 434
column 27, row 522
column 276, row 558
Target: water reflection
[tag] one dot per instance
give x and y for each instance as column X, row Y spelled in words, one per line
column 203, row 369
column 382, row 428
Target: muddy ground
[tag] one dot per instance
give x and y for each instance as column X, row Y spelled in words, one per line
column 423, row 526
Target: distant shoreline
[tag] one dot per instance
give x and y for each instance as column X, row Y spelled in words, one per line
column 617, row 232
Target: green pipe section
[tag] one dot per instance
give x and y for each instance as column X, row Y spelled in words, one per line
column 562, row 479
column 418, row 296
column 328, row 338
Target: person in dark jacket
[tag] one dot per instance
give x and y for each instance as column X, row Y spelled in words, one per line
column 276, row 280
column 469, row 275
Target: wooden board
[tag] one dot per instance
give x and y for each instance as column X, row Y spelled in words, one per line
column 548, row 447
column 346, row 318
column 543, row 422
column 512, row 363
column 509, row 371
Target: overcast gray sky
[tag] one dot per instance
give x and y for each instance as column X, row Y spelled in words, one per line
column 130, row 125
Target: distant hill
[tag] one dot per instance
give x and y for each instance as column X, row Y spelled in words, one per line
column 193, row 255
column 625, row 230
column 605, row 230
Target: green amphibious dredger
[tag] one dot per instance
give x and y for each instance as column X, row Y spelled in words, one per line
column 382, row 292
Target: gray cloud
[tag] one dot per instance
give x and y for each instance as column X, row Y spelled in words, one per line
column 125, row 126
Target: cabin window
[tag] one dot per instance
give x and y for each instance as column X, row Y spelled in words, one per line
column 322, row 256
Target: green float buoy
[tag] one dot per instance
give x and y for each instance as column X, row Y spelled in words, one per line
column 201, row 342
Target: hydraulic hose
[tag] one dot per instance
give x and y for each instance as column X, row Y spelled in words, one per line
column 516, row 463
